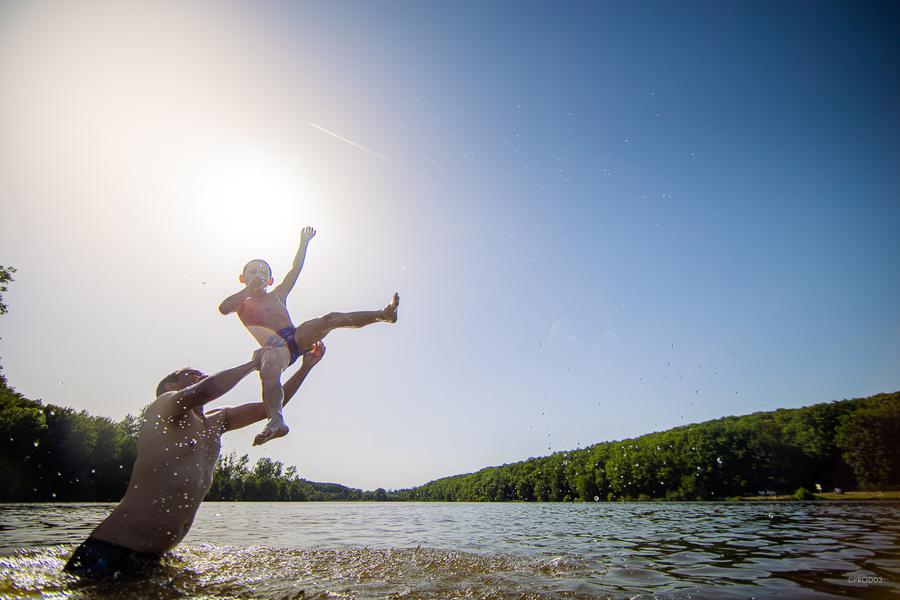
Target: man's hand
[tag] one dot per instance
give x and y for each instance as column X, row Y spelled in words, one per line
column 314, row 354
column 241, row 416
column 258, row 356
column 306, row 234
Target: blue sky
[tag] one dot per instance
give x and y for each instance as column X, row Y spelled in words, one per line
column 603, row 219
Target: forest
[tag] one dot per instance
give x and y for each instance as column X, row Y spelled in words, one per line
column 51, row 453
column 845, row 444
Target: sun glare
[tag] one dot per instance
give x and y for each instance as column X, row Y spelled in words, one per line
column 248, row 202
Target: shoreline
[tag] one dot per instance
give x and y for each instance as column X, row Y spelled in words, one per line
column 888, row 496
column 829, row 497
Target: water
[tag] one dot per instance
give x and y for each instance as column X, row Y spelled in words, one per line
column 437, row 550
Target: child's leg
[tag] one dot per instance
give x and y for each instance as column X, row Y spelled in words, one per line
column 273, row 363
column 312, row 331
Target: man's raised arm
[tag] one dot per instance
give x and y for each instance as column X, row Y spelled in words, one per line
column 247, row 414
column 206, row 390
column 306, row 234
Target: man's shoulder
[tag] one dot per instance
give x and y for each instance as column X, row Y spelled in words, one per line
column 217, row 418
column 166, row 407
column 152, row 409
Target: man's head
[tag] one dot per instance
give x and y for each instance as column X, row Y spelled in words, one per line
column 178, row 380
column 257, row 269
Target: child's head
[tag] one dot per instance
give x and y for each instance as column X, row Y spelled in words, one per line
column 257, row 269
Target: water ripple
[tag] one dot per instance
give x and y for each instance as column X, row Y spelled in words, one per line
column 412, row 550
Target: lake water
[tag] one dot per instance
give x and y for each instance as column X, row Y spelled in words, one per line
column 448, row 550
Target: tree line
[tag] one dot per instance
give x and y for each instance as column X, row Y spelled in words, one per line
column 52, row 453
column 234, row 480
column 847, row 444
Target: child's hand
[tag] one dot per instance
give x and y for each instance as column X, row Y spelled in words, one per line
column 314, row 354
column 306, row 234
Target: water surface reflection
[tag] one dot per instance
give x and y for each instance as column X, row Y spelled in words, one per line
column 667, row 550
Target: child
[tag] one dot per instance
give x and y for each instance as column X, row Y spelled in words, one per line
column 266, row 317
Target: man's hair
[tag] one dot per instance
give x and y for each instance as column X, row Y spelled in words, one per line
column 257, row 260
column 170, row 378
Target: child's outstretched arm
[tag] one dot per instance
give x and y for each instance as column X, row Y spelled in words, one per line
column 306, row 234
column 234, row 301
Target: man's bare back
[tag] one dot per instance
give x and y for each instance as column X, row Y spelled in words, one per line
column 177, row 452
column 171, row 476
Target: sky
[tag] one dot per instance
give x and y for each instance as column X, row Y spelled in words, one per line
column 603, row 219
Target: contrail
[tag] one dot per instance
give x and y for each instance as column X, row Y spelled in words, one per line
column 354, row 144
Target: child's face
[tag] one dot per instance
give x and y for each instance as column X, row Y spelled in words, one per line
column 256, row 270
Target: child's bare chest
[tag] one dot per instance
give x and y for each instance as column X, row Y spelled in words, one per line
column 268, row 311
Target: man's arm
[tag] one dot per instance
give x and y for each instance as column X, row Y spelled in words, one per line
column 172, row 404
column 247, row 414
column 306, row 234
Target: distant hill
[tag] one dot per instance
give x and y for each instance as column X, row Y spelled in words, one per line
column 848, row 444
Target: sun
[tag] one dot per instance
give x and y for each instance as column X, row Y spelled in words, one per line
column 248, row 201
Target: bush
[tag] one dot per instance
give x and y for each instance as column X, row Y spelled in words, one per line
column 804, row 494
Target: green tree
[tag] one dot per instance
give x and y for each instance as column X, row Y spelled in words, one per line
column 5, row 278
column 867, row 437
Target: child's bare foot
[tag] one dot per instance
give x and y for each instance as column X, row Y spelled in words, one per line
column 390, row 311
column 274, row 429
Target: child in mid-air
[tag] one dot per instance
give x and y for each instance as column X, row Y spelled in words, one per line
column 266, row 317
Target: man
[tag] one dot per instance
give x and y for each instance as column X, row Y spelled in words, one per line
column 177, row 452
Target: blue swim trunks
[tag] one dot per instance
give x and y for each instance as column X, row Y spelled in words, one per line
column 96, row 559
column 286, row 337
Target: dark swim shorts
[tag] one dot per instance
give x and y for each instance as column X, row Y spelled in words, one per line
column 97, row 559
column 286, row 337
